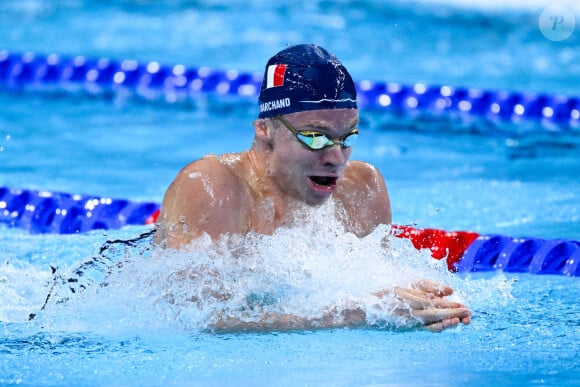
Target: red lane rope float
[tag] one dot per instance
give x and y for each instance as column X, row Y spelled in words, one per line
column 443, row 244
column 153, row 217
column 464, row 251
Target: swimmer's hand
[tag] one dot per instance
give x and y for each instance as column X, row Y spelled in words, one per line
column 424, row 302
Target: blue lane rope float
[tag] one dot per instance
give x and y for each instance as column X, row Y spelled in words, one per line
column 64, row 213
column 31, row 71
column 537, row 256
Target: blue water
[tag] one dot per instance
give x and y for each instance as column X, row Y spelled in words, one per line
column 473, row 176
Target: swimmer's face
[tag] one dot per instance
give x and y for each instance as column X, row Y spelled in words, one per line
column 305, row 174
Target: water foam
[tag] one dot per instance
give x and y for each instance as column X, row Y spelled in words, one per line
column 308, row 271
column 22, row 289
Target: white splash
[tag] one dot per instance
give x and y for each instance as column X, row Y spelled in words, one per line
column 304, row 271
column 22, row 290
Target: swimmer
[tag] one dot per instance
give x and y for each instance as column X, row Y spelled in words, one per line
column 303, row 137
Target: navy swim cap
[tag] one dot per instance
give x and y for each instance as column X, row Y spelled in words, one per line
column 305, row 77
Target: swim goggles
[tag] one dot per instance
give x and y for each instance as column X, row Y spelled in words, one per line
column 315, row 140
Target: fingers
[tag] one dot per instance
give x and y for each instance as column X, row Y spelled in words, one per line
column 438, row 327
column 448, row 323
column 428, row 286
column 466, row 320
column 424, row 303
column 434, row 312
column 417, row 299
column 412, row 298
column 442, row 303
column 436, row 315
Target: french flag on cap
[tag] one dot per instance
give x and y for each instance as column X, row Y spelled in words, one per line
column 275, row 75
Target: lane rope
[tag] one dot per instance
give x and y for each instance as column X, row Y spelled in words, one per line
column 464, row 251
column 41, row 212
column 63, row 213
column 175, row 83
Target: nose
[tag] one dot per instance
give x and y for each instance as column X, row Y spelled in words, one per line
column 335, row 156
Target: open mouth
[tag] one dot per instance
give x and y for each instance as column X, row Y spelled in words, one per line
column 325, row 181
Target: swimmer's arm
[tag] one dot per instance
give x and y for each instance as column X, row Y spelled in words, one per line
column 423, row 304
column 288, row 322
column 203, row 198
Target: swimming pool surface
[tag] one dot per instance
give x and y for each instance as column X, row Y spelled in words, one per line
column 517, row 179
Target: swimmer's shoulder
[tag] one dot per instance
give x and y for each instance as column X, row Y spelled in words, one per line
column 209, row 178
column 364, row 197
column 363, row 175
column 216, row 169
column 205, row 197
column 363, row 184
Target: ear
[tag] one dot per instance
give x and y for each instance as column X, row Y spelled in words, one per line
column 262, row 131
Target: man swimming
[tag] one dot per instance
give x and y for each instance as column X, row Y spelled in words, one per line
column 307, row 124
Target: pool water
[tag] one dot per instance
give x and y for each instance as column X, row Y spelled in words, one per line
column 476, row 175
